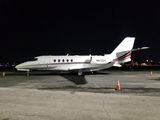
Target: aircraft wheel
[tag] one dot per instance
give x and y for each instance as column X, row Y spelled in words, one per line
column 81, row 73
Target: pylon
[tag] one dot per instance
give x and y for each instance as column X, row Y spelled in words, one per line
column 118, row 87
column 151, row 73
column 3, row 74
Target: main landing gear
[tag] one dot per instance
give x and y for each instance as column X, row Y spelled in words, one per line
column 80, row 73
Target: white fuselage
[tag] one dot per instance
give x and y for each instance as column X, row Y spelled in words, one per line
column 66, row 63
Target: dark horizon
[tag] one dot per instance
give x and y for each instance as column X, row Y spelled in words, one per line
column 33, row 28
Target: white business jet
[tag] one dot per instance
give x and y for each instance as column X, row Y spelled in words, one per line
column 82, row 63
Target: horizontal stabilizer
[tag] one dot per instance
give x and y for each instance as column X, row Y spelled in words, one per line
column 142, row 48
column 128, row 52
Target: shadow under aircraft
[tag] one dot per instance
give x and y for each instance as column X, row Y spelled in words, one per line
column 78, row 80
column 70, row 76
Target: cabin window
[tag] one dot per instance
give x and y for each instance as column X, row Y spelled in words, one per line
column 59, row 60
column 63, row 60
column 54, row 60
column 71, row 60
column 67, row 60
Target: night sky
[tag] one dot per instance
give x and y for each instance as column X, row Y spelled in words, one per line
column 30, row 28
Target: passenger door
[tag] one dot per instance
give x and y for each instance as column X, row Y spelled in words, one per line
column 47, row 62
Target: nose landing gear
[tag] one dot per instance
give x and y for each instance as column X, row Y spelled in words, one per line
column 27, row 73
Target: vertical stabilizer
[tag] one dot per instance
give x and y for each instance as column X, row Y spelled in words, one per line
column 125, row 45
column 122, row 53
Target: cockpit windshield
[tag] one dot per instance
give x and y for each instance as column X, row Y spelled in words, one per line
column 35, row 59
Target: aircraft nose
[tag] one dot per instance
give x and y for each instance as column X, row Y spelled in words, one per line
column 21, row 67
column 18, row 66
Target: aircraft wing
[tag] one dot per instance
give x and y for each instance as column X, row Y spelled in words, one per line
column 104, row 66
column 79, row 68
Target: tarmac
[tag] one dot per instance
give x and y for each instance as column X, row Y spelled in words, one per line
column 52, row 96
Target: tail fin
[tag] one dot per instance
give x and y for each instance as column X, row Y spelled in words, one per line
column 122, row 53
column 125, row 45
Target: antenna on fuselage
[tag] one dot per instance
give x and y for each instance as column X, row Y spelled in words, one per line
column 90, row 57
column 67, row 54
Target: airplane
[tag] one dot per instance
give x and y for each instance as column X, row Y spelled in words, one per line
column 83, row 63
